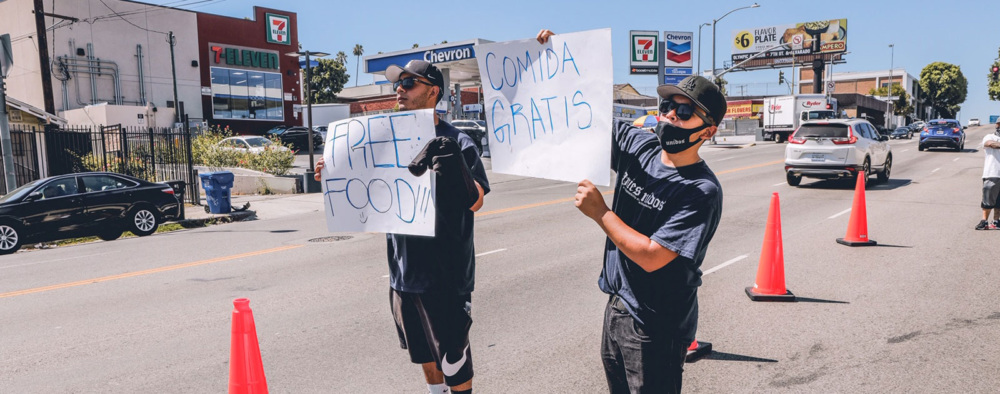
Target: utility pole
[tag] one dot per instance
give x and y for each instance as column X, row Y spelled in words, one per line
column 173, row 70
column 43, row 57
column 6, row 147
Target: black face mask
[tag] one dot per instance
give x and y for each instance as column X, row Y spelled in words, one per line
column 674, row 139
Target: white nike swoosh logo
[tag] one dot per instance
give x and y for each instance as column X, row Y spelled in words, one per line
column 451, row 369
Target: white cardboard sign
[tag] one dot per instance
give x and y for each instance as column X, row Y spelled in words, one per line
column 548, row 107
column 366, row 184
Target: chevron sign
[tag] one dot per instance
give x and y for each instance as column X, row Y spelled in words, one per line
column 678, row 45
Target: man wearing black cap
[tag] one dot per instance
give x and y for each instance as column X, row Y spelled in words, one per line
column 431, row 278
column 666, row 209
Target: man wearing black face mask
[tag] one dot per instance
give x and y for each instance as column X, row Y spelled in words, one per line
column 666, row 208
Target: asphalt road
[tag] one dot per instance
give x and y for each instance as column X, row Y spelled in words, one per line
column 918, row 313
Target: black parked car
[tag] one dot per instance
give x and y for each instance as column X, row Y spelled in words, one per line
column 296, row 137
column 101, row 204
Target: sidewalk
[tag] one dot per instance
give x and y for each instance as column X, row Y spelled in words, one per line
column 261, row 207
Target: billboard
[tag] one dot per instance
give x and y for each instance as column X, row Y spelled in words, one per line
column 785, row 41
column 643, row 51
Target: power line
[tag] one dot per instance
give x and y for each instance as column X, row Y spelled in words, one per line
column 130, row 22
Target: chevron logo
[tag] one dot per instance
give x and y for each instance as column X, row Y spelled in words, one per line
column 679, row 48
column 679, row 57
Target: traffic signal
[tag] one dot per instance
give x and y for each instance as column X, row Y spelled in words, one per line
column 996, row 72
column 781, row 76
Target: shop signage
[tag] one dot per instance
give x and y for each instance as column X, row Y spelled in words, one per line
column 449, row 54
column 244, row 57
column 644, row 46
column 279, row 29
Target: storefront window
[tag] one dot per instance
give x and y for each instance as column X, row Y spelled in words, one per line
column 220, row 94
column 243, row 94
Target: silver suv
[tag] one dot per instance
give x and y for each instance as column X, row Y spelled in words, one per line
column 837, row 148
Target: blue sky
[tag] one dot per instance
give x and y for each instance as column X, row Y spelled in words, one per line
column 961, row 32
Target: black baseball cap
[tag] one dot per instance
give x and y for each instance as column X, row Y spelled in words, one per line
column 705, row 94
column 419, row 68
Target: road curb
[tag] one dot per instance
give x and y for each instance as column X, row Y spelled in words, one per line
column 218, row 219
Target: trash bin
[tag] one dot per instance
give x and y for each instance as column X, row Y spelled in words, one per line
column 217, row 186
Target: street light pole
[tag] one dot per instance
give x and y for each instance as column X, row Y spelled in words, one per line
column 888, row 91
column 699, row 45
column 714, row 21
column 309, row 110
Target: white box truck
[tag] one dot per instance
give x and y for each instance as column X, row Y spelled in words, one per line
column 784, row 114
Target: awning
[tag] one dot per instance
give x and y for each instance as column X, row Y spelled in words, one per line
column 34, row 111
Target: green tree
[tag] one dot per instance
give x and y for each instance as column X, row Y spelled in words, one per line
column 342, row 58
column 945, row 86
column 721, row 83
column 416, row 45
column 328, row 79
column 358, row 51
column 901, row 105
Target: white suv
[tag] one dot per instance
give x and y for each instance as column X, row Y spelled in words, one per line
column 837, row 148
column 973, row 122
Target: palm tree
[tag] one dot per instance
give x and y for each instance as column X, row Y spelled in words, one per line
column 342, row 58
column 358, row 51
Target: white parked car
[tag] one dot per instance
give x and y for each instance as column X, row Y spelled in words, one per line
column 837, row 148
column 252, row 144
column 973, row 122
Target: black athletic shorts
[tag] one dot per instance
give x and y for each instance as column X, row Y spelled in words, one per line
column 435, row 327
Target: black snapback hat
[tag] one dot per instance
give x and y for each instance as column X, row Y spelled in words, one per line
column 705, row 94
column 419, row 68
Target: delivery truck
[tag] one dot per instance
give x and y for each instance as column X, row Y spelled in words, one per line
column 784, row 114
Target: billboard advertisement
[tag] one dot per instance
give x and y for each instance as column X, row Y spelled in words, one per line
column 785, row 41
column 643, row 51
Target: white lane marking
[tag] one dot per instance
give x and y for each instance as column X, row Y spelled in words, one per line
column 839, row 213
column 551, row 186
column 956, row 159
column 904, row 150
column 490, row 252
column 478, row 255
column 935, row 170
column 725, row 158
column 53, row 260
column 778, row 184
column 723, row 265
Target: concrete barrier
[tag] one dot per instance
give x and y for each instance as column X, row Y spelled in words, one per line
column 250, row 182
column 735, row 139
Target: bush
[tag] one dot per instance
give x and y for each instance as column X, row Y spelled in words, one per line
column 206, row 151
column 130, row 165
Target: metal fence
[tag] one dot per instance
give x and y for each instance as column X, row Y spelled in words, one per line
column 153, row 154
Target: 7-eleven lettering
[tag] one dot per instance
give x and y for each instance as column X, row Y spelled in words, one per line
column 645, row 51
column 279, row 28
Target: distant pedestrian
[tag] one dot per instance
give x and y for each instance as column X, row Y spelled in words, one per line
column 991, row 181
column 431, row 278
column 666, row 208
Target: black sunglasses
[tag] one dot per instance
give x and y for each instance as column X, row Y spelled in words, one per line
column 683, row 111
column 409, row 83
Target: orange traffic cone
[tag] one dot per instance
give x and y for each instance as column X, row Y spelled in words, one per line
column 770, row 283
column 246, row 372
column 697, row 350
column 857, row 227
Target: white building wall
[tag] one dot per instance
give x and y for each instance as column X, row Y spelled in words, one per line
column 114, row 40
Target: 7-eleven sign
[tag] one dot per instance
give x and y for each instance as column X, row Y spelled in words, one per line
column 279, row 29
column 643, row 50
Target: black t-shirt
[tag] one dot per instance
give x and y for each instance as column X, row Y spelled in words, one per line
column 446, row 262
column 679, row 208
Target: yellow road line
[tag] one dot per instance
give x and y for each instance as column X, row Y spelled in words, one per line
column 562, row 200
column 749, row 167
column 290, row 247
column 146, row 272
